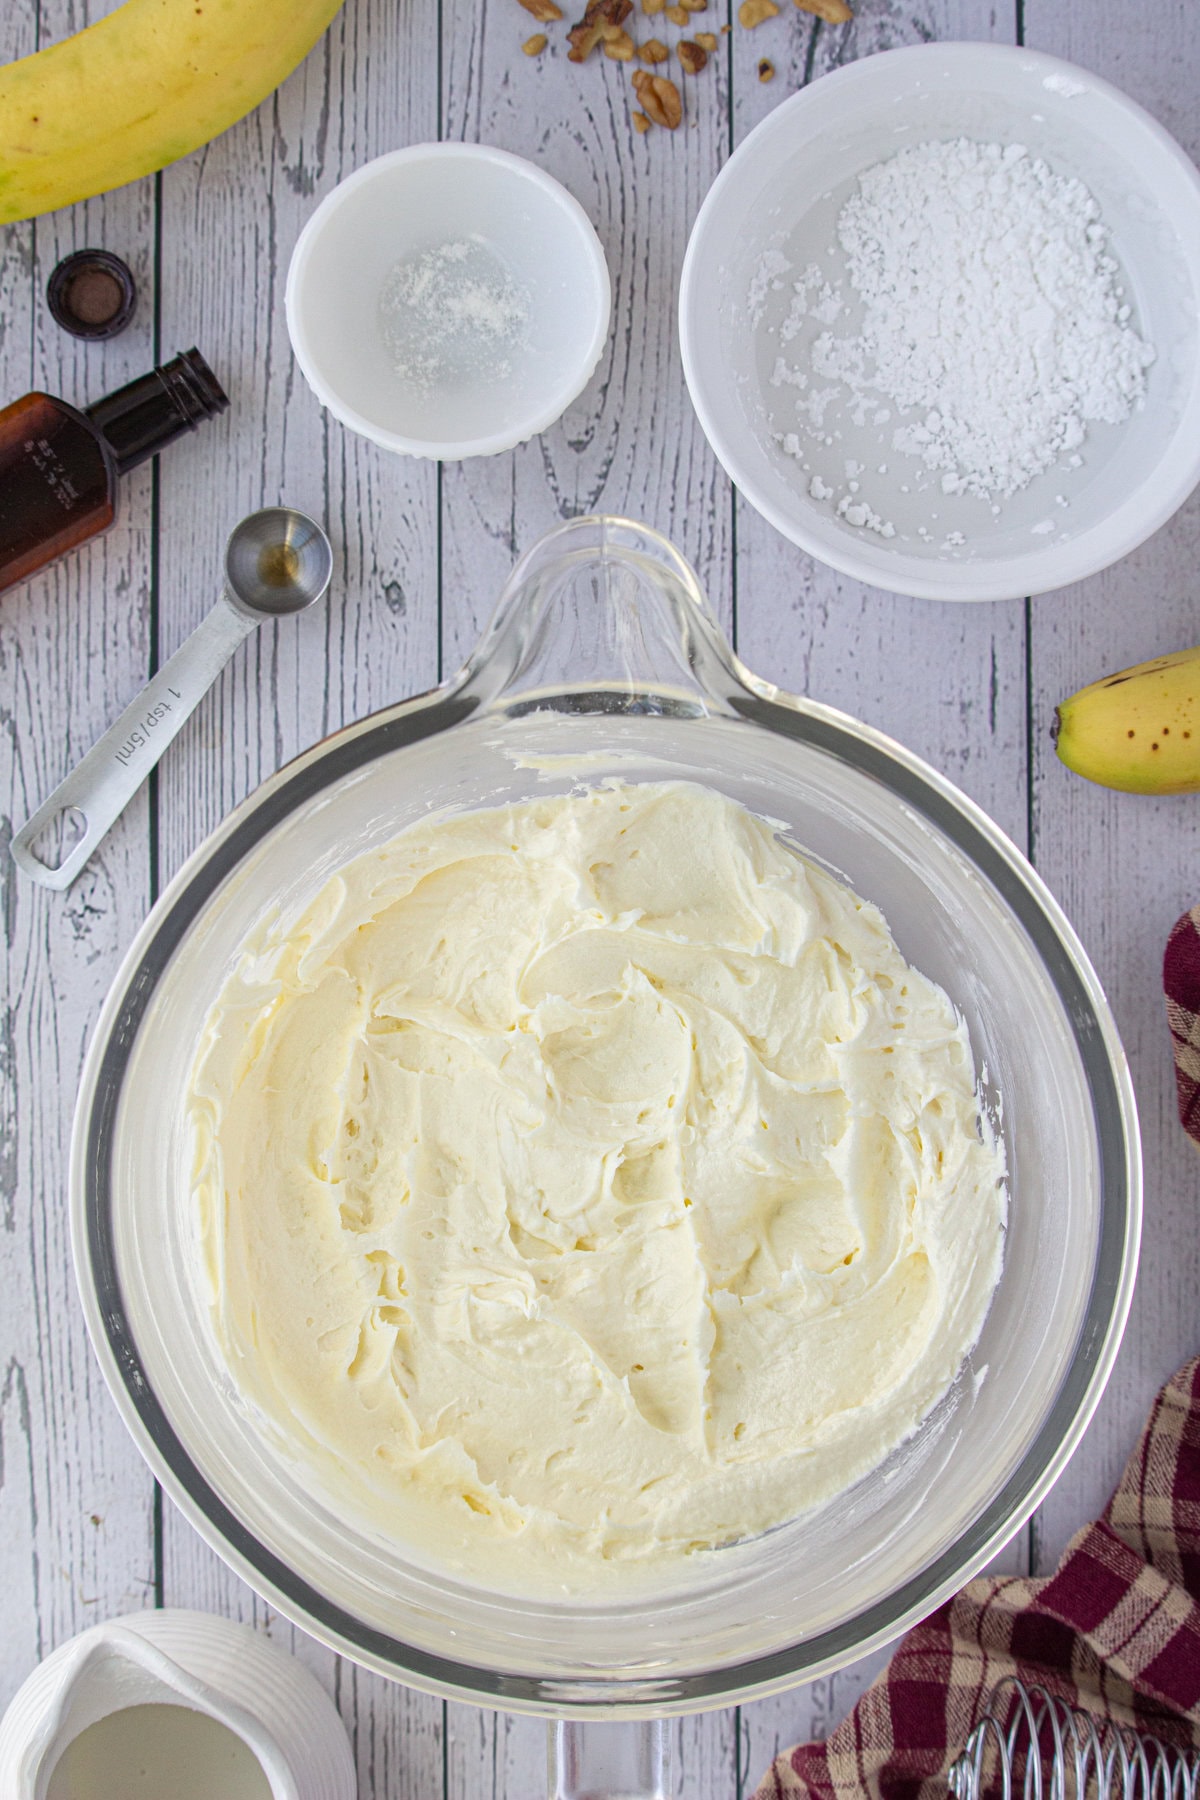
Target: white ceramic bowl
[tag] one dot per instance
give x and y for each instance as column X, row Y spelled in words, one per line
column 487, row 392
column 784, row 188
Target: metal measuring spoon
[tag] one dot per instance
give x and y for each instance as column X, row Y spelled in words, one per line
column 277, row 562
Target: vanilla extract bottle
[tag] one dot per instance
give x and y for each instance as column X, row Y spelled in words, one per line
column 59, row 465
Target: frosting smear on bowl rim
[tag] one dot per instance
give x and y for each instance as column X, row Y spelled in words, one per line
column 590, row 1182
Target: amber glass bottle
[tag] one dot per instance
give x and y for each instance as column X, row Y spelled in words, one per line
column 59, row 466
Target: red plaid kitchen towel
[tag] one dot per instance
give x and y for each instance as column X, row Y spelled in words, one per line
column 1181, row 984
column 1115, row 1629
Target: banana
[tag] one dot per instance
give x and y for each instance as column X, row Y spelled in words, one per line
column 141, row 87
column 1138, row 730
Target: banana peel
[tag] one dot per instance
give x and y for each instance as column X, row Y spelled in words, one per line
column 142, row 87
column 1137, row 730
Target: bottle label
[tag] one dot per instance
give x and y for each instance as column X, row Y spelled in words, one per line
column 49, row 466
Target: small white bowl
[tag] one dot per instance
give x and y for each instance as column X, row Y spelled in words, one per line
column 487, row 390
column 786, row 184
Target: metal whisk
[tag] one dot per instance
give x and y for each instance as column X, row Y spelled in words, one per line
column 1052, row 1751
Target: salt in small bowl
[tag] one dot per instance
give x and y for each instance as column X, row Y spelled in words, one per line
column 448, row 300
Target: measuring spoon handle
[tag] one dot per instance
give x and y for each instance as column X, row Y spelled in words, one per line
column 101, row 786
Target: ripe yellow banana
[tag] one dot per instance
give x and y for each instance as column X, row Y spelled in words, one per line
column 1139, row 729
column 141, row 87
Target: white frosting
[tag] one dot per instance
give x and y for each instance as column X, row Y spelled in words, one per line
column 591, row 1180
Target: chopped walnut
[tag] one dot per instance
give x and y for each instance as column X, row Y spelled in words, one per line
column 834, row 12
column 543, row 10
column 707, row 40
column 618, row 44
column 641, row 123
column 753, row 12
column 536, row 44
column 659, row 97
column 766, row 69
column 691, row 56
column 598, row 16
column 653, row 51
column 677, row 14
column 650, row 7
column 583, row 40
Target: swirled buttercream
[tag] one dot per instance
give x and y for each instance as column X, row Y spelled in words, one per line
column 592, row 1179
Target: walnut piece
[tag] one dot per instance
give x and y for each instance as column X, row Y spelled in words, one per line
column 677, row 14
column 650, row 7
column 598, row 16
column 707, row 40
column 543, row 10
column 659, row 97
column 641, row 123
column 653, row 51
column 834, row 12
column 618, row 44
column 753, row 12
column 691, row 56
column 766, row 69
column 536, row 44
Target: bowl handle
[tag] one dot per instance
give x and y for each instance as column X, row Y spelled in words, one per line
column 608, row 1759
column 608, row 605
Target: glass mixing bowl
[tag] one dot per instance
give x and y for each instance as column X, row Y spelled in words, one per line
column 603, row 659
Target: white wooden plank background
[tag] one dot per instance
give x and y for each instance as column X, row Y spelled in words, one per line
column 83, row 1534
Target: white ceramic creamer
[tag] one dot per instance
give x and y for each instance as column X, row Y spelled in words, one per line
column 177, row 1702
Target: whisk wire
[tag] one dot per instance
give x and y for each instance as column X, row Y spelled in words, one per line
column 1050, row 1750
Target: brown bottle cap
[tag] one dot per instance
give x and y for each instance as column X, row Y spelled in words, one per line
column 92, row 294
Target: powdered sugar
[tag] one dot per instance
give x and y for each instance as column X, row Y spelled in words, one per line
column 988, row 330
column 990, row 308
column 771, row 265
